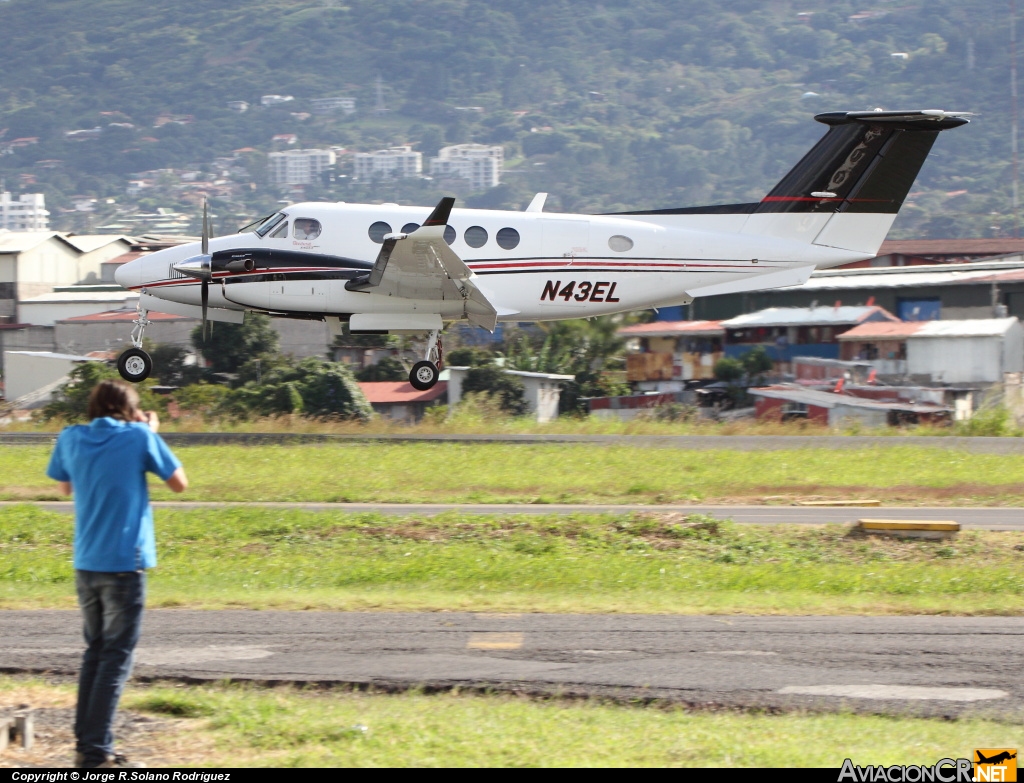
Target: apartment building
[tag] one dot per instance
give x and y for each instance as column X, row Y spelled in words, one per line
column 332, row 105
column 299, row 167
column 392, row 163
column 479, row 164
column 26, row 213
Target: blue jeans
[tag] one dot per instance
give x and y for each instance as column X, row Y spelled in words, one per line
column 112, row 611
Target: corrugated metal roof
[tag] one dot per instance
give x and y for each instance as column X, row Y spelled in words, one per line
column 882, row 330
column 89, row 242
column 979, row 327
column 400, row 392
column 20, row 241
column 53, row 355
column 975, row 273
column 806, row 316
column 122, row 316
column 68, row 297
column 672, row 329
column 823, row 399
column 952, row 247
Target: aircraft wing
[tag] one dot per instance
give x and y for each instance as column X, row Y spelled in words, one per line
column 421, row 265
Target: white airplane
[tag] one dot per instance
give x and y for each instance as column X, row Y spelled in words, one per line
column 388, row 268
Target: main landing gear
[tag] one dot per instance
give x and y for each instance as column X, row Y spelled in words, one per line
column 424, row 374
column 135, row 364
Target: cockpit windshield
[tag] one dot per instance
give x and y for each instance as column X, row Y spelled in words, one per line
column 270, row 224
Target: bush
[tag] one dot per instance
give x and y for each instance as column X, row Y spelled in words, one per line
column 70, row 402
column 312, row 387
column 729, row 370
column 202, row 398
column 387, row 369
column 505, row 389
column 989, row 422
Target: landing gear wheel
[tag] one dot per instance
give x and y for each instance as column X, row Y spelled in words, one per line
column 424, row 375
column 134, row 365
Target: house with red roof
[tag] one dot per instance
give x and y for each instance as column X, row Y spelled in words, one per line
column 399, row 401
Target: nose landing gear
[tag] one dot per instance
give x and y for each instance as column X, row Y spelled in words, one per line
column 135, row 364
column 425, row 373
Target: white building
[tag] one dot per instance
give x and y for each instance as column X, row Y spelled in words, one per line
column 480, row 164
column 298, row 167
column 980, row 350
column 392, row 163
column 541, row 390
column 331, row 105
column 26, row 213
column 273, row 100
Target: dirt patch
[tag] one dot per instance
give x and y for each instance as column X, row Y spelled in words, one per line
column 157, row 742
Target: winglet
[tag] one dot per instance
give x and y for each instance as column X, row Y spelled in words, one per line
column 439, row 217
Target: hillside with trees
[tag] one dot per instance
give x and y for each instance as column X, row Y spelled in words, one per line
column 621, row 104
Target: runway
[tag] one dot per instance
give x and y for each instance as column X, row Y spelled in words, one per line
column 948, row 666
column 977, row 445
column 1009, row 518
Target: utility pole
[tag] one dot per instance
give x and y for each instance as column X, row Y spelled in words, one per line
column 1013, row 102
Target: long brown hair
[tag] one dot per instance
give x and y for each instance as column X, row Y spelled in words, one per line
column 115, row 399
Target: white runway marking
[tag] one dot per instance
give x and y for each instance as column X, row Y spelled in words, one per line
column 174, row 656
column 909, row 692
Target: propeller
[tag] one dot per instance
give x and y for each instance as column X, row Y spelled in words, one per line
column 205, row 280
column 201, row 268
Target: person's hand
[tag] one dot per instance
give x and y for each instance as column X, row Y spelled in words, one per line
column 150, row 418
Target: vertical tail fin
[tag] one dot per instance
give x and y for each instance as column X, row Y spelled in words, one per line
column 854, row 179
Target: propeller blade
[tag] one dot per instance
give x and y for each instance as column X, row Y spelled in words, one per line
column 206, row 231
column 205, row 292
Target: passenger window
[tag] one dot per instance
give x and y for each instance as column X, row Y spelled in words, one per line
column 449, row 234
column 508, row 238
column 378, row 230
column 408, row 228
column 282, row 232
column 307, row 228
column 620, row 244
column 475, row 236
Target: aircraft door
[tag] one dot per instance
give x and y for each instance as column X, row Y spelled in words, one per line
column 565, row 238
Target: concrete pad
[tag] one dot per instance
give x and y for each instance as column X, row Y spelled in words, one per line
column 890, row 692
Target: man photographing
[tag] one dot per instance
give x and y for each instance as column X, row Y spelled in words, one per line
column 104, row 464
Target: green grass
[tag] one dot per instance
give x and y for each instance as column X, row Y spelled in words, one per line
column 669, row 563
column 530, row 473
column 289, row 728
column 237, row 725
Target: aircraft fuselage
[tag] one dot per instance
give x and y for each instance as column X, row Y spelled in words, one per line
column 533, row 266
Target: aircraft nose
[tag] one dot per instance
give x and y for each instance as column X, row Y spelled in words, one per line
column 129, row 275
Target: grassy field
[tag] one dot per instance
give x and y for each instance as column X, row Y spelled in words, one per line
column 237, row 726
column 650, row 562
column 561, row 473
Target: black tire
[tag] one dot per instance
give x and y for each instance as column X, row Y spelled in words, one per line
column 135, row 365
column 423, row 375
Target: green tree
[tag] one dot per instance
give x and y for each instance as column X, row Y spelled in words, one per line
column 387, row 369
column 728, row 369
column 70, row 402
column 312, row 387
column 756, row 362
column 232, row 345
column 491, row 380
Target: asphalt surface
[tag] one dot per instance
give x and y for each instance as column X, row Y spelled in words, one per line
column 947, row 666
column 977, row 445
column 979, row 518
